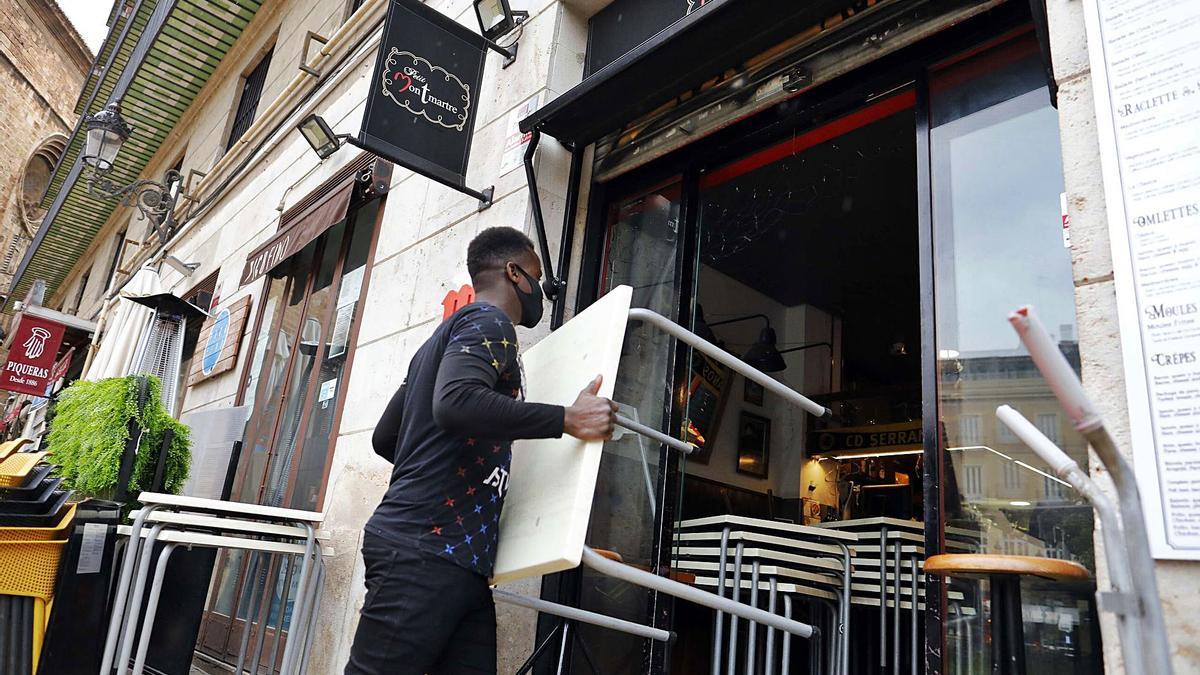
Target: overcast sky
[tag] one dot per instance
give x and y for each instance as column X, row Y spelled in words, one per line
column 89, row 17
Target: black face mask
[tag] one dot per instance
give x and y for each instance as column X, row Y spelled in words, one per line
column 531, row 301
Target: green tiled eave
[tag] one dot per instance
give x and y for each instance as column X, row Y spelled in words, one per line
column 178, row 59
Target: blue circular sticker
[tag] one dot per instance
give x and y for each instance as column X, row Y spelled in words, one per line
column 216, row 342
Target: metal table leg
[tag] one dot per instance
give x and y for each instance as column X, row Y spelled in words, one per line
column 733, row 620
column 300, row 616
column 122, row 589
column 752, row 642
column 138, row 589
column 883, row 598
column 160, row 572
column 844, row 629
column 787, row 638
column 719, row 624
column 897, row 586
column 912, row 641
column 769, row 660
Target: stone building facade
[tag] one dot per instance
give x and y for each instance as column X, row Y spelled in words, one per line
column 248, row 176
column 43, row 62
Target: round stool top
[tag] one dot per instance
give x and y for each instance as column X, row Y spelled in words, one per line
column 987, row 565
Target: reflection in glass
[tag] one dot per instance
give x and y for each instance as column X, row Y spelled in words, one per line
column 997, row 180
column 641, row 252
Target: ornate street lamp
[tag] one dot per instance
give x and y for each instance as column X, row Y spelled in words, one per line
column 106, row 133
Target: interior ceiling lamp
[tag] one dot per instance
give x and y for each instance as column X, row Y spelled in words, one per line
column 497, row 19
column 106, row 133
column 764, row 354
column 320, row 136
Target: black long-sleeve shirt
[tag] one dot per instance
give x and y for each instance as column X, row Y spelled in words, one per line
column 448, row 432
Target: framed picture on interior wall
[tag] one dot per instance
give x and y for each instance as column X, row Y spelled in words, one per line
column 708, row 390
column 754, row 445
column 753, row 393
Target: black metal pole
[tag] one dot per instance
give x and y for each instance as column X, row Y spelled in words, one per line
column 552, row 284
column 168, row 438
column 234, row 456
column 125, row 473
column 567, row 239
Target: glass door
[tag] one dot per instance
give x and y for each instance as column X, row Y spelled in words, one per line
column 998, row 243
column 642, row 250
column 297, row 372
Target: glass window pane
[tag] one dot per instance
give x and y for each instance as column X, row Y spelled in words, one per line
column 318, row 437
column 997, row 180
column 643, row 239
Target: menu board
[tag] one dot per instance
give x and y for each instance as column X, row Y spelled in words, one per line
column 1145, row 58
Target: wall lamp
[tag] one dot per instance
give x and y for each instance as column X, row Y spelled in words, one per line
column 497, row 19
column 320, row 136
column 184, row 268
column 106, row 132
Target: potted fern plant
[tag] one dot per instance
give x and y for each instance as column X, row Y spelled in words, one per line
column 92, row 427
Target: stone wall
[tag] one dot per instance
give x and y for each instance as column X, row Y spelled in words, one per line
column 43, row 62
column 1096, row 308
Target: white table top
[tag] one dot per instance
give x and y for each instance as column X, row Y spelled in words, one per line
column 718, row 522
column 825, row 564
column 226, row 524
column 765, row 585
column 770, row 570
column 686, row 538
column 233, row 508
column 217, row 541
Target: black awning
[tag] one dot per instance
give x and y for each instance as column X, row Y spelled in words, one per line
column 718, row 36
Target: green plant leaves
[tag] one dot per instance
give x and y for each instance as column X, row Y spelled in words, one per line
column 90, row 429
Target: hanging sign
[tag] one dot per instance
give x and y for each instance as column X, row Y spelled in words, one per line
column 1145, row 64
column 423, row 97
column 876, row 438
column 220, row 338
column 32, row 355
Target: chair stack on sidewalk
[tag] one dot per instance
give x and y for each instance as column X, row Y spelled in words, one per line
column 284, row 545
column 35, row 521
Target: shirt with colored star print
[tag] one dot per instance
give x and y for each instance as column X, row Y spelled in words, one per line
column 448, row 432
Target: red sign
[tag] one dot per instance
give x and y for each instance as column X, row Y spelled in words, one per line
column 61, row 366
column 12, row 414
column 31, row 356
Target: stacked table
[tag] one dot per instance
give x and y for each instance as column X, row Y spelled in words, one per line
column 835, row 567
column 285, row 536
column 900, row 566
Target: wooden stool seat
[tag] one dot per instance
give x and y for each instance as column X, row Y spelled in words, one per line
column 983, row 565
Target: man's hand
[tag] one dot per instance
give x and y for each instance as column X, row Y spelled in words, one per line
column 591, row 418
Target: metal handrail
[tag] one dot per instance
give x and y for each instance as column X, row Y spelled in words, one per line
column 1050, row 361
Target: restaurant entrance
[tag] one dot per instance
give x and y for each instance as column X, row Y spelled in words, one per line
column 864, row 248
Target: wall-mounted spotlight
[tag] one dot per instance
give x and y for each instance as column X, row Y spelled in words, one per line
column 497, row 19
column 320, row 136
column 184, row 268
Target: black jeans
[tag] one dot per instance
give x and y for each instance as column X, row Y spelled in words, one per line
column 422, row 614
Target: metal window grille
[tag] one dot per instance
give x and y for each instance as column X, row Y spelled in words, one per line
column 252, row 89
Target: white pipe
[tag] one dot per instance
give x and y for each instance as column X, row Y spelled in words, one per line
column 675, row 589
column 576, row 614
column 1115, row 545
column 1069, row 391
column 729, row 360
column 1055, row 369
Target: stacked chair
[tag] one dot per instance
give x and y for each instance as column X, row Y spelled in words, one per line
column 35, row 521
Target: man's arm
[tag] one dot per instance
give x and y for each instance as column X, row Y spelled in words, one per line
column 464, row 398
column 387, row 432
